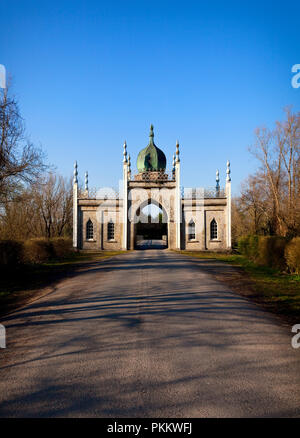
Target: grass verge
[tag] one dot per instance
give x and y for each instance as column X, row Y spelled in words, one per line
column 20, row 284
column 278, row 292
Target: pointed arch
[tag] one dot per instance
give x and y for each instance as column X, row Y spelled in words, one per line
column 89, row 230
column 110, row 230
column 191, row 230
column 213, row 229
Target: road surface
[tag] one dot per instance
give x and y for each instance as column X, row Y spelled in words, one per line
column 147, row 334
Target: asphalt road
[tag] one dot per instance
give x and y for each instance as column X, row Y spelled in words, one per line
column 147, row 334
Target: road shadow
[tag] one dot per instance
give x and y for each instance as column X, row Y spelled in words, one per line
column 150, row 244
column 190, row 350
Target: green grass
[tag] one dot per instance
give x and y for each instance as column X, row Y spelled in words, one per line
column 277, row 290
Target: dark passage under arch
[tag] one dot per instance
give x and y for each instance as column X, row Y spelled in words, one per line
column 151, row 230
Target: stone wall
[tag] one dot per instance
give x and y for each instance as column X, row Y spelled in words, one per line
column 100, row 212
column 200, row 211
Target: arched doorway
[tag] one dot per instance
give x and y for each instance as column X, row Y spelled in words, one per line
column 151, row 226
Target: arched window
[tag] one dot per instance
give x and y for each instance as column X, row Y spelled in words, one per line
column 191, row 230
column 89, row 230
column 110, row 230
column 213, row 230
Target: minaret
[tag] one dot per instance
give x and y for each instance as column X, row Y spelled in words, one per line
column 75, row 206
column 125, row 196
column 217, row 184
column 228, row 207
column 129, row 168
column 86, row 183
column 125, row 152
column 173, row 166
column 178, row 198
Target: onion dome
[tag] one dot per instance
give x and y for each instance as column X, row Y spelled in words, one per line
column 151, row 158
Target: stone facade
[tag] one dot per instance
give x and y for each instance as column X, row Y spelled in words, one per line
column 196, row 219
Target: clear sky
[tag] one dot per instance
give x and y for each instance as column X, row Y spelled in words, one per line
column 90, row 74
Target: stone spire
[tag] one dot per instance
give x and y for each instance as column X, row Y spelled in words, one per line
column 173, row 166
column 217, row 182
column 129, row 167
column 217, row 178
column 125, row 152
column 228, row 196
column 75, row 206
column 178, row 205
column 228, row 177
column 86, row 181
column 177, row 152
column 75, row 179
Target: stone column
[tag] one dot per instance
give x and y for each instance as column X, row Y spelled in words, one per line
column 177, row 199
column 132, row 236
column 125, row 199
column 228, row 206
column 75, row 206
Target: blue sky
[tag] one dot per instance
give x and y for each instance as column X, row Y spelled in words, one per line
column 89, row 74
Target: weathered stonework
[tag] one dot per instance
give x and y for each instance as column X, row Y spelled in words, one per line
column 114, row 218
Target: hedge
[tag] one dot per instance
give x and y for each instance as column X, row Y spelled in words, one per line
column 37, row 250
column 292, row 255
column 11, row 252
column 264, row 250
column 62, row 247
column 271, row 252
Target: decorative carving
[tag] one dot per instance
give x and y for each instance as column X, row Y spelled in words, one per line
column 95, row 193
column 203, row 193
column 160, row 175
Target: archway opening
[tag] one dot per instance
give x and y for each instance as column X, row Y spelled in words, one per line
column 151, row 229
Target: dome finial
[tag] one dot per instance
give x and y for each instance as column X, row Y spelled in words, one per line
column 151, row 135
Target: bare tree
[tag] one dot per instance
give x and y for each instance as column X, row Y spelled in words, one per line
column 20, row 161
column 251, row 210
column 288, row 143
column 253, row 202
column 279, row 154
column 43, row 209
column 53, row 201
